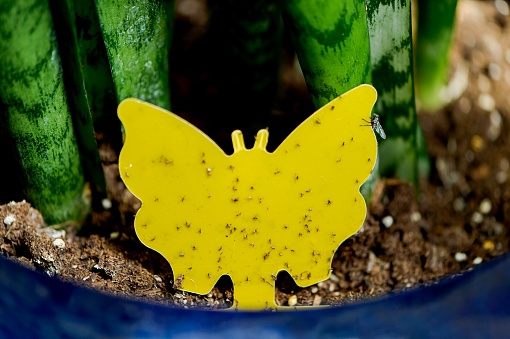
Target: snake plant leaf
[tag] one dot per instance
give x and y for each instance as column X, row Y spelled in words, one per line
column 35, row 114
column 76, row 90
column 434, row 40
column 332, row 44
column 391, row 53
column 137, row 39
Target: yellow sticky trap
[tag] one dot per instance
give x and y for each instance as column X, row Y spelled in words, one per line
column 251, row 214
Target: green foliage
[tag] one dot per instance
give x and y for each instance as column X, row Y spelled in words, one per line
column 111, row 50
column 435, row 33
column 392, row 71
column 137, row 39
column 332, row 45
column 36, row 119
column 95, row 66
column 48, row 101
column 74, row 81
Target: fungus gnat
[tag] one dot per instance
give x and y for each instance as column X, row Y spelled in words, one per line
column 376, row 125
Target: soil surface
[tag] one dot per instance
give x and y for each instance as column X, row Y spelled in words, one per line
column 461, row 218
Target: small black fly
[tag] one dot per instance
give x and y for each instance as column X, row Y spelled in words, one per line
column 376, row 125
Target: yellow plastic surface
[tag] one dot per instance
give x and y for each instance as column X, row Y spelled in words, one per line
column 251, row 214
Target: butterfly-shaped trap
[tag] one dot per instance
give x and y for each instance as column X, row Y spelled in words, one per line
column 251, row 214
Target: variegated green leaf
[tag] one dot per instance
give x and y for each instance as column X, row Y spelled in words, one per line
column 391, row 51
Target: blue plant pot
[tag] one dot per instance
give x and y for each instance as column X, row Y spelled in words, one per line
column 473, row 305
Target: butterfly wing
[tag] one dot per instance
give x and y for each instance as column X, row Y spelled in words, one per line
column 322, row 165
column 173, row 167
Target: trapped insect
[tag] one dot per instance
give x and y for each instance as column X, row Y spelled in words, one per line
column 376, row 126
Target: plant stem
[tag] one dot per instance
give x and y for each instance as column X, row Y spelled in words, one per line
column 96, row 68
column 36, row 119
column 332, row 44
column 434, row 40
column 74, row 81
column 392, row 71
column 137, row 39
